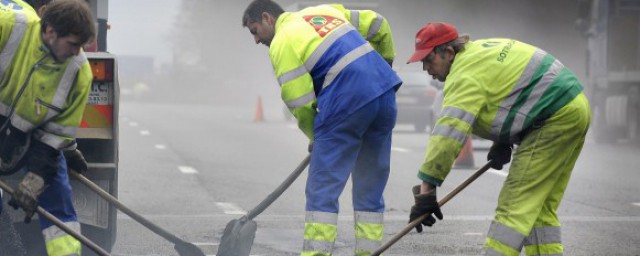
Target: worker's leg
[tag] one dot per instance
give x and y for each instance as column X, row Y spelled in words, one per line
column 370, row 176
column 333, row 157
column 545, row 156
column 545, row 237
column 56, row 199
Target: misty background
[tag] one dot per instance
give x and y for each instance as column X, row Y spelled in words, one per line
column 197, row 51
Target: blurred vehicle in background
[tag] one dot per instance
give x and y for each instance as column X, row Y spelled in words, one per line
column 416, row 98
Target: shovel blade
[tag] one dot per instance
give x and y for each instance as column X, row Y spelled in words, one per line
column 188, row 249
column 237, row 238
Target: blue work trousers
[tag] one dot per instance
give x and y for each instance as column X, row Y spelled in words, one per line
column 358, row 145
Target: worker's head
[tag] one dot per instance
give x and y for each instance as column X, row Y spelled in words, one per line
column 39, row 5
column 436, row 47
column 260, row 18
column 66, row 26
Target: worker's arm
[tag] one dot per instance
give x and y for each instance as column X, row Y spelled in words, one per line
column 462, row 102
column 296, row 85
column 374, row 28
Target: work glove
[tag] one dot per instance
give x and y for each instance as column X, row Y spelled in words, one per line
column 76, row 161
column 26, row 195
column 425, row 204
column 500, row 154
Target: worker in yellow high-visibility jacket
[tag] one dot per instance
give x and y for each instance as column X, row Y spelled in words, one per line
column 511, row 93
column 45, row 80
column 341, row 91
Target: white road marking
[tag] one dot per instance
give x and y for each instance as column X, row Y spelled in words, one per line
column 230, row 208
column 187, row 169
column 145, row 132
column 473, row 234
column 205, row 244
column 636, row 204
column 400, row 149
column 499, row 173
column 293, row 126
column 134, row 124
column 160, row 146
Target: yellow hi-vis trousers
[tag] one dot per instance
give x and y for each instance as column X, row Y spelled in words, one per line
column 526, row 215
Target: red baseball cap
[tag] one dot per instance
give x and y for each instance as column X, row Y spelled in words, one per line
column 430, row 36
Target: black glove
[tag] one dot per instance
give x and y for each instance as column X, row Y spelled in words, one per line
column 500, row 154
column 76, row 161
column 26, row 195
column 425, row 204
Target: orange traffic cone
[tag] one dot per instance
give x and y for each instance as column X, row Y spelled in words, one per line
column 259, row 113
column 465, row 158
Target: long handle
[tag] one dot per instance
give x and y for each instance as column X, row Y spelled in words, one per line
column 442, row 201
column 148, row 224
column 279, row 190
column 45, row 214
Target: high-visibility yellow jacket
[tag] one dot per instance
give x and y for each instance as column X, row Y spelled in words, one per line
column 38, row 96
column 497, row 89
column 325, row 66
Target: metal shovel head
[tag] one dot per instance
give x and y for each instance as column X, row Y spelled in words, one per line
column 237, row 238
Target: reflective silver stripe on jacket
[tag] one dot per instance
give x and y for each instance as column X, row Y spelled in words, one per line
column 53, row 140
column 67, row 131
column 10, row 48
column 450, row 131
column 347, row 59
column 54, row 231
column 544, row 235
column 301, row 101
column 507, row 103
column 65, row 84
column 535, row 95
column 375, row 27
column 355, row 19
column 315, row 56
column 21, row 124
column 506, row 235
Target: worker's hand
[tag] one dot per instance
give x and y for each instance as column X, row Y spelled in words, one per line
column 500, row 154
column 76, row 161
column 26, row 195
column 425, row 204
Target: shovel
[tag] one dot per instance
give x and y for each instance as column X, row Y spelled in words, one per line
column 183, row 248
column 238, row 235
column 442, row 201
column 45, row 214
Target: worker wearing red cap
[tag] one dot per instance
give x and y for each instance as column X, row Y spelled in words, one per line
column 511, row 93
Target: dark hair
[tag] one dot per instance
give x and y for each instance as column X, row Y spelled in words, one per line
column 254, row 11
column 69, row 17
column 36, row 4
column 457, row 45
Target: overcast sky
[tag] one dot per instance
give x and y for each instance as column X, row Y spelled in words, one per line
column 142, row 27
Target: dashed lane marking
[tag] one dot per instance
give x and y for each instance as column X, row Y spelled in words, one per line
column 400, row 149
column 499, row 173
column 636, row 204
column 160, row 146
column 187, row 169
column 145, row 132
column 134, row 124
column 230, row 208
